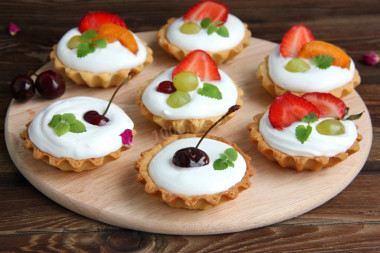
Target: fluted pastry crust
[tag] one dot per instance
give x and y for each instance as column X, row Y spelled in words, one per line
column 296, row 162
column 189, row 202
column 275, row 90
column 218, row 57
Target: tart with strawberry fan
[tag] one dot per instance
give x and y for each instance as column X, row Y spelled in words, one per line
column 306, row 133
column 301, row 64
column 100, row 52
column 189, row 97
column 208, row 26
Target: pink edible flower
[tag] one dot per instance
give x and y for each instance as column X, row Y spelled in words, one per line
column 127, row 137
column 13, row 29
column 371, row 58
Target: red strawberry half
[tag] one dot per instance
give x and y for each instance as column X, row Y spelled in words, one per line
column 92, row 20
column 200, row 63
column 289, row 108
column 327, row 104
column 218, row 12
column 294, row 39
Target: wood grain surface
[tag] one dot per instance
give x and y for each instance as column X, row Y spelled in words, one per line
column 350, row 222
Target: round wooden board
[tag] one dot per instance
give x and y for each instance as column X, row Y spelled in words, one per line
column 111, row 194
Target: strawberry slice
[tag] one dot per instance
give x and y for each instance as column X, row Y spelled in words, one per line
column 92, row 20
column 289, row 108
column 327, row 104
column 218, row 12
column 200, row 63
column 294, row 39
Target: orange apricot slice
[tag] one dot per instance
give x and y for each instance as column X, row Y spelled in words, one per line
column 112, row 33
column 317, row 47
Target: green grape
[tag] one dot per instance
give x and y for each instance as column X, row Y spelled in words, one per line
column 178, row 99
column 190, row 28
column 74, row 42
column 185, row 81
column 297, row 65
column 331, row 127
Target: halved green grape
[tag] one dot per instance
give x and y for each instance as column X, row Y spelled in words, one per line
column 190, row 28
column 74, row 42
column 331, row 127
column 178, row 99
column 185, row 81
column 297, row 65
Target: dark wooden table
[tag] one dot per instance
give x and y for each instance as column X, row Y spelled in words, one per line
column 29, row 221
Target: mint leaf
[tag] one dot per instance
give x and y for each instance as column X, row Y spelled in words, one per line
column 205, row 22
column 211, row 29
column 231, row 153
column 68, row 117
column 55, row 120
column 83, row 49
column 230, row 163
column 223, row 156
column 310, row 118
column 223, row 31
column 354, row 117
column 219, row 164
column 303, row 132
column 100, row 43
column 61, row 128
column 89, row 35
column 77, row 127
column 323, row 61
column 210, row 90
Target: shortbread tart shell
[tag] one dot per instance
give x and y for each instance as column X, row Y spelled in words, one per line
column 69, row 164
column 218, row 57
column 98, row 80
column 189, row 202
column 183, row 125
column 296, row 162
column 275, row 90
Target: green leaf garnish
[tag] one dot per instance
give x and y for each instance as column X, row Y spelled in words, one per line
column 303, row 132
column 66, row 123
column 100, row 43
column 323, row 61
column 83, row 49
column 87, row 43
column 351, row 117
column 211, row 29
column 226, row 159
column 210, row 90
column 205, row 22
column 89, row 35
column 223, row 31
column 310, row 118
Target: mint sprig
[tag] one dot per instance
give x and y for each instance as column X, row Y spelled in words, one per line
column 63, row 123
column 212, row 27
column 210, row 90
column 323, row 61
column 303, row 132
column 226, row 159
column 88, row 43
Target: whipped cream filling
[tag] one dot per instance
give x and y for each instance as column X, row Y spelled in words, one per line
column 198, row 107
column 197, row 180
column 97, row 141
column 316, row 145
column 315, row 79
column 112, row 58
column 204, row 41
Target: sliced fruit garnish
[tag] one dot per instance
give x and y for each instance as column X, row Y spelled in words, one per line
column 200, row 63
column 327, row 104
column 294, row 39
column 112, row 33
column 93, row 20
column 289, row 108
column 218, row 12
column 317, row 47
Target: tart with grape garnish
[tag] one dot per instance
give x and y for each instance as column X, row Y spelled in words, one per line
column 208, row 26
column 101, row 51
column 189, row 97
column 301, row 64
column 306, row 133
column 79, row 133
column 193, row 171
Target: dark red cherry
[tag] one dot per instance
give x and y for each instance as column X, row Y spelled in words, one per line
column 190, row 157
column 94, row 118
column 50, row 84
column 22, row 88
column 166, row 87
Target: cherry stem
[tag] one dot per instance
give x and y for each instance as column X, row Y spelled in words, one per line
column 130, row 75
column 230, row 110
